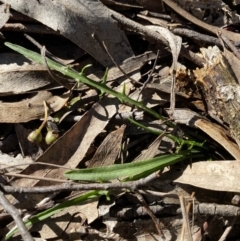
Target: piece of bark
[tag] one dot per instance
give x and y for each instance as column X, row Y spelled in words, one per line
column 220, row 90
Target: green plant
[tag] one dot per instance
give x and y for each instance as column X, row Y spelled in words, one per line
column 92, row 195
column 102, row 87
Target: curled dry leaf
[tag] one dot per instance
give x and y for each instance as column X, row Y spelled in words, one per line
column 31, row 109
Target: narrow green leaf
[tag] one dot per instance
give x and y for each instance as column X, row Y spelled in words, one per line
column 128, row 171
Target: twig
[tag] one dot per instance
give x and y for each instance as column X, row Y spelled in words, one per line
column 210, row 28
column 150, row 75
column 28, row 28
column 194, row 35
column 152, row 35
column 16, row 215
column 33, row 177
column 150, row 213
column 185, row 218
column 71, row 186
column 60, row 81
column 187, row 211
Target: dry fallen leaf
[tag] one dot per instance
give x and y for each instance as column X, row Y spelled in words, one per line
column 31, row 109
column 109, row 149
column 4, row 14
column 18, row 75
column 213, row 175
column 93, row 21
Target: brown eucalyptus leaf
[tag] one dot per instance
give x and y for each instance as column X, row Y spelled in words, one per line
column 213, row 175
column 19, row 75
column 32, row 108
column 109, row 149
column 152, row 150
column 93, row 21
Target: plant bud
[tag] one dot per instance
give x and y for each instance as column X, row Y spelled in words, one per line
column 35, row 136
column 51, row 137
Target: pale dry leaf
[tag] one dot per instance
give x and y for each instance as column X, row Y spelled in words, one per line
column 93, row 21
column 31, row 109
column 218, row 133
column 213, row 175
column 14, row 164
column 18, row 75
column 4, row 14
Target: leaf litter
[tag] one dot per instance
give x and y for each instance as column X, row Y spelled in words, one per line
column 206, row 113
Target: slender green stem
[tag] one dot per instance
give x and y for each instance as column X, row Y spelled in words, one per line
column 81, row 78
column 180, row 141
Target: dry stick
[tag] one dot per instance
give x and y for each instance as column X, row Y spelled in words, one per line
column 210, row 28
column 187, row 210
column 28, row 28
column 35, row 178
column 149, row 212
column 71, row 186
column 60, row 80
column 16, row 215
column 196, row 36
column 36, row 163
column 152, row 35
column 185, row 218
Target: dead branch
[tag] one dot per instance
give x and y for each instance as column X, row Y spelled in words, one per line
column 16, row 215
